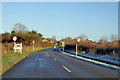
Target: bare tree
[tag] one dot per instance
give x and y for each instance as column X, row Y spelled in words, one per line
column 113, row 37
column 19, row 28
column 103, row 40
column 68, row 39
column 83, row 36
column 54, row 38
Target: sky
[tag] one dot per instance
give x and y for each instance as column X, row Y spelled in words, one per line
column 63, row 19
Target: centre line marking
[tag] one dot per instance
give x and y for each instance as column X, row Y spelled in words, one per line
column 54, row 59
column 66, row 69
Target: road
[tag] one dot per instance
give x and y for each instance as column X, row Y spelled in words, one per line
column 52, row 64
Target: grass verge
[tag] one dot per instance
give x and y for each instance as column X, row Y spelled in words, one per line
column 11, row 59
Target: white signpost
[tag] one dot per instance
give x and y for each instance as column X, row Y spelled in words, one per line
column 17, row 46
column 63, row 44
column 77, row 50
column 33, row 44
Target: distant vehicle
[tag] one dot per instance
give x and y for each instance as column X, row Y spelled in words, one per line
column 55, row 45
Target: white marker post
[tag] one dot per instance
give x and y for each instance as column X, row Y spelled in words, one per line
column 63, row 44
column 33, row 44
column 77, row 51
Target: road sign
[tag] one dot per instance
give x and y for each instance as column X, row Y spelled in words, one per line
column 51, row 41
column 78, row 39
column 14, row 38
column 18, row 47
column 33, row 42
column 77, row 46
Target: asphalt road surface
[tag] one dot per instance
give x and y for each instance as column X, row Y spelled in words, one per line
column 52, row 64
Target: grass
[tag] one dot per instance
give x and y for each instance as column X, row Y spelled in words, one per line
column 11, row 59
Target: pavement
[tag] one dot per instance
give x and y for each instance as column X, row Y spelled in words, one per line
column 50, row 63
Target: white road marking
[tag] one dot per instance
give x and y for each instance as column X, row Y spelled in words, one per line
column 94, row 61
column 54, row 59
column 48, row 55
column 66, row 69
column 97, row 62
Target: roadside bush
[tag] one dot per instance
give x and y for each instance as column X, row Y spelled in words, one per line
column 84, row 48
column 8, row 48
column 94, row 49
column 100, row 51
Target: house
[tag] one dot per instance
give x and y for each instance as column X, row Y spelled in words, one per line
column 88, row 41
column 94, row 43
column 44, row 40
column 116, row 43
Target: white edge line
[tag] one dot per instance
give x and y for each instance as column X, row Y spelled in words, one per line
column 94, row 61
column 98, row 62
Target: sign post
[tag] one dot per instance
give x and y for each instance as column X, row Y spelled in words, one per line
column 17, row 46
column 63, row 44
column 14, row 39
column 33, row 44
column 77, row 46
column 76, row 50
